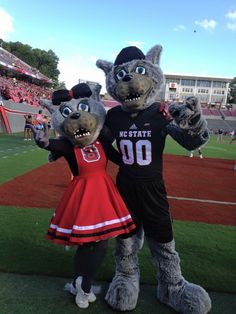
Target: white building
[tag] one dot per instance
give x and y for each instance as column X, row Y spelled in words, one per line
column 209, row 90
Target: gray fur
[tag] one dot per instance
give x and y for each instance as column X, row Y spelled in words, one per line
column 173, row 289
column 97, row 110
column 96, row 89
column 123, row 294
column 188, row 116
column 46, row 103
column 153, row 70
column 154, row 54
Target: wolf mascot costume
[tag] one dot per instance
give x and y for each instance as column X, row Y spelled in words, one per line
column 91, row 210
column 140, row 127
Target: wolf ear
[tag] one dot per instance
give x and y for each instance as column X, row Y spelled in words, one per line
column 48, row 105
column 153, row 55
column 104, row 65
column 96, row 89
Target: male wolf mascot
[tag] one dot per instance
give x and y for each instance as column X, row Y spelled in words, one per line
column 140, row 126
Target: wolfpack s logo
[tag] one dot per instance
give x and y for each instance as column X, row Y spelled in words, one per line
column 90, row 153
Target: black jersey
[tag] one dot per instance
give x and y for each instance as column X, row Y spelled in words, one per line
column 140, row 139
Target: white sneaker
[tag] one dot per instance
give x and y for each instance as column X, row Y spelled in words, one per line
column 201, row 156
column 83, row 299
column 191, row 156
column 70, row 288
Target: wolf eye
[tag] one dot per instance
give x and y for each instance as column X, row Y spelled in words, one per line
column 83, row 107
column 140, row 70
column 65, row 111
column 121, row 74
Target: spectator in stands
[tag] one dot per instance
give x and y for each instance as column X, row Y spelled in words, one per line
column 27, row 128
column 199, row 152
column 21, row 91
column 220, row 135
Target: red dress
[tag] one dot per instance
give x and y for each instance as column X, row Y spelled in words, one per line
column 91, row 208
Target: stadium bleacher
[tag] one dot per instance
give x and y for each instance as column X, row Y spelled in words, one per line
column 16, row 89
column 21, row 87
column 12, row 88
column 11, row 62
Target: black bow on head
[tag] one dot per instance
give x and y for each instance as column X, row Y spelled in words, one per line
column 78, row 91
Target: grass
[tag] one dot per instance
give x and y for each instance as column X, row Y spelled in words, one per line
column 209, row 247
column 45, row 295
column 212, row 149
column 18, row 156
column 33, row 270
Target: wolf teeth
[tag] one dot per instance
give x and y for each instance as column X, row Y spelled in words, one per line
column 132, row 99
column 77, row 135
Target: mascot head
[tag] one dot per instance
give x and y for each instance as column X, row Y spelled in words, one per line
column 77, row 115
column 135, row 80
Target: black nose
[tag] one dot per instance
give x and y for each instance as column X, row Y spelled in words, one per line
column 127, row 78
column 75, row 115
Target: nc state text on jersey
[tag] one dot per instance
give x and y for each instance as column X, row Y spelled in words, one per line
column 135, row 134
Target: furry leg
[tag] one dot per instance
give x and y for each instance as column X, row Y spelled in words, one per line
column 173, row 289
column 123, row 291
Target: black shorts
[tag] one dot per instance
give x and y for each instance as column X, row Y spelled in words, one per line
column 148, row 205
column 28, row 126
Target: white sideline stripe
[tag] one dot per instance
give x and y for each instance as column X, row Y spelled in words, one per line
column 201, row 200
column 91, row 227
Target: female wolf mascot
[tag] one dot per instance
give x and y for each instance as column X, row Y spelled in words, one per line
column 91, row 209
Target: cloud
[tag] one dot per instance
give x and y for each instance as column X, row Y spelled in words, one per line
column 179, row 28
column 6, row 26
column 138, row 44
column 231, row 15
column 77, row 67
column 231, row 26
column 207, row 24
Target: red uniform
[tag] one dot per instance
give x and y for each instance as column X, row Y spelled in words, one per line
column 91, row 208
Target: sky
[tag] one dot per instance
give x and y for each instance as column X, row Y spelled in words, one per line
column 198, row 38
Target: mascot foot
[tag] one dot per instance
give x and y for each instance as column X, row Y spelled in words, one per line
column 185, row 298
column 123, row 292
column 173, row 289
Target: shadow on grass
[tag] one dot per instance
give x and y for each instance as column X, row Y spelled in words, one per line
column 42, row 294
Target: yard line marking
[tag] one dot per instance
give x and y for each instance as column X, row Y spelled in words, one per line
column 202, row 200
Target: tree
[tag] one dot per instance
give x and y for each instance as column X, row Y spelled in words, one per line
column 45, row 62
column 60, row 85
column 232, row 92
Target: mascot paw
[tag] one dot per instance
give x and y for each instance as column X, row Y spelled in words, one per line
column 188, row 116
column 123, row 292
column 187, row 298
column 192, row 103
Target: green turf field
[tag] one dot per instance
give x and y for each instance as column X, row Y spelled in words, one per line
column 34, row 271
column 18, row 156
